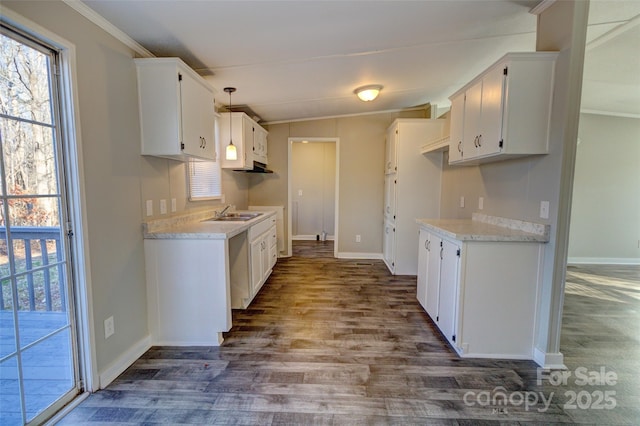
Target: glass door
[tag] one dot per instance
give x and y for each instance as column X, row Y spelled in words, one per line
column 38, row 362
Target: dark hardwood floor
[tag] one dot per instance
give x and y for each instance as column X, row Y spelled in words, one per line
column 330, row 341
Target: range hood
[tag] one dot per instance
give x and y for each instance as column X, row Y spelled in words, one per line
column 258, row 167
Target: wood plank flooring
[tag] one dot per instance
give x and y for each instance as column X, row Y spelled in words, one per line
column 330, row 341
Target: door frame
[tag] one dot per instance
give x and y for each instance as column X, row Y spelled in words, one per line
column 75, row 193
column 290, row 143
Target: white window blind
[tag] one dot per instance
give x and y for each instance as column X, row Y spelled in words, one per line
column 204, row 180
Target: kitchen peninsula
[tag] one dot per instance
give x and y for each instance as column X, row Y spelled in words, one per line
column 199, row 266
column 479, row 282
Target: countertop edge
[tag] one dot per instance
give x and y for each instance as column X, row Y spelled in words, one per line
column 474, row 230
column 197, row 230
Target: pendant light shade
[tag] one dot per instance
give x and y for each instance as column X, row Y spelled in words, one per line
column 231, row 153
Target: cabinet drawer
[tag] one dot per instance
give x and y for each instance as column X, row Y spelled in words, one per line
column 260, row 228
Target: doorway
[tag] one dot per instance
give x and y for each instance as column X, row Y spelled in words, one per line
column 39, row 363
column 313, row 183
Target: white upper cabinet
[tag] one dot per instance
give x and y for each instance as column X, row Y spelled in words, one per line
column 176, row 110
column 249, row 138
column 505, row 111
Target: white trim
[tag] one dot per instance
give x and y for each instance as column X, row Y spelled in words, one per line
column 541, row 7
column 615, row 32
column 311, row 237
column 75, row 190
column 111, row 29
column 290, row 143
column 354, row 255
column 124, row 361
column 603, row 261
column 549, row 361
column 328, row 117
column 181, row 343
column 609, row 113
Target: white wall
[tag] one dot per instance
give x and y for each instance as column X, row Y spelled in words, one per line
column 605, row 216
column 313, row 170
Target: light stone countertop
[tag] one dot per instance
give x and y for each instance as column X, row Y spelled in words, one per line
column 487, row 228
column 193, row 226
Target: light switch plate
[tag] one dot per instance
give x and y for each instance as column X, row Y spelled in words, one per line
column 544, row 209
column 174, row 205
column 462, row 202
column 163, row 206
column 149, row 207
column 480, row 203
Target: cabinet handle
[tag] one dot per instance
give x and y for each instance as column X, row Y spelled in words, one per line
column 460, row 147
column 475, row 141
column 388, row 209
column 479, row 140
column 427, row 245
column 441, row 252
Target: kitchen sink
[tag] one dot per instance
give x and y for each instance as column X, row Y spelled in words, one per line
column 234, row 217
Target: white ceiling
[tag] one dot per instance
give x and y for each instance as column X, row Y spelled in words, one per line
column 294, row 60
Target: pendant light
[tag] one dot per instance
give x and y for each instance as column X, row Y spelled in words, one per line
column 231, row 152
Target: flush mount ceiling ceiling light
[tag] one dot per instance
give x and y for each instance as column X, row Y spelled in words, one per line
column 231, row 153
column 369, row 92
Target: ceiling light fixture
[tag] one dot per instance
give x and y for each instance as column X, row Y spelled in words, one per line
column 231, row 152
column 369, row 92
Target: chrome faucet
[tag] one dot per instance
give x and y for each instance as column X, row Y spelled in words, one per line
column 223, row 211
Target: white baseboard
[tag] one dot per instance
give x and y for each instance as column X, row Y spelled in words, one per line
column 353, row 255
column 310, row 237
column 207, row 342
column 548, row 360
column 603, row 261
column 124, row 361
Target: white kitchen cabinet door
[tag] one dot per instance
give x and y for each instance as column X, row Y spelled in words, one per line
column 257, row 275
column 490, row 127
column 448, row 293
column 197, row 119
column 391, row 158
column 390, row 197
column 457, row 129
column 472, row 115
column 434, row 252
column 389, row 245
column 423, row 259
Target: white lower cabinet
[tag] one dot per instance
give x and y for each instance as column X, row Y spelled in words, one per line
column 187, row 291
column 263, row 254
column 482, row 295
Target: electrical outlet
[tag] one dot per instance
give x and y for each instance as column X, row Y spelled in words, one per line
column 109, row 327
column 462, row 202
column 480, row 203
column 299, row 192
column 544, row 209
column 163, row 206
column 174, row 205
column 149, row 207
column 358, row 238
